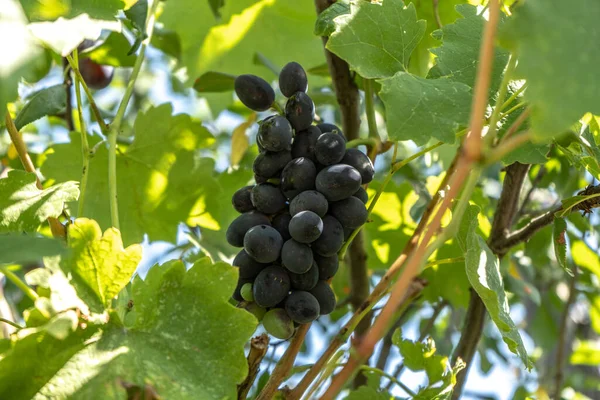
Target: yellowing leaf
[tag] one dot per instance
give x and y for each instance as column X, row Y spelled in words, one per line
column 239, row 140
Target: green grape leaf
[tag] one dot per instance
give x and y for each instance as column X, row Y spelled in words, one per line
column 458, row 56
column 483, row 271
column 586, row 353
column 377, row 39
column 324, row 25
column 160, row 181
column 18, row 248
column 167, row 41
column 137, row 14
column 559, row 235
column 26, row 58
column 49, row 101
column 23, row 207
column 419, row 109
column 182, row 322
column 113, row 51
column 50, row 10
column 368, row 393
column 555, row 58
column 585, row 257
column 98, row 265
column 212, row 81
column 415, row 355
column 229, row 45
column 421, row 57
column 64, row 35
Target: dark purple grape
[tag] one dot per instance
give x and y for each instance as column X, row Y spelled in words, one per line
column 309, row 200
column 338, row 182
column 275, row 134
column 238, row 228
column 330, row 148
column 263, row 243
column 249, row 268
column 298, row 176
column 306, row 227
column 271, row 286
column 296, row 257
column 292, row 79
column 281, row 222
column 305, row 281
column 300, row 111
column 96, row 76
column 254, row 92
column 361, row 162
column 305, row 142
column 267, row 198
column 327, row 266
column 327, row 127
column 269, row 164
column 332, row 238
column 325, row 297
column 351, row 212
column 362, row 195
column 302, row 307
column 241, row 199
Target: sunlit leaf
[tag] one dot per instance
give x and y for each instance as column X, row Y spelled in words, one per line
column 48, row 101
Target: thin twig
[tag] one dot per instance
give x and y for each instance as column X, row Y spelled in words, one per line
column 57, row 229
column 534, row 184
column 470, row 153
column 68, row 82
column 258, row 348
column 517, row 124
column 285, row 364
column 85, row 147
column 561, row 348
column 11, row 323
column 436, row 13
column 507, row 146
column 11, row 276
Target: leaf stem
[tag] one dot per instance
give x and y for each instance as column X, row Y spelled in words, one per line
column 85, row 147
column 116, row 124
column 58, row 230
column 361, row 141
column 506, row 146
column 11, row 323
column 496, row 114
column 11, row 276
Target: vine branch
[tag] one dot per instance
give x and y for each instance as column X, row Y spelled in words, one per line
column 258, row 349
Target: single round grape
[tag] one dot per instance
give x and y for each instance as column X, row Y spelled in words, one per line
column 338, row 182
column 307, row 280
column 246, row 291
column 96, row 76
column 249, row 268
column 256, row 310
column 278, row 323
column 275, row 134
column 269, row 164
column 237, row 293
column 296, row 257
column 302, row 307
column 292, row 79
column 281, row 222
column 300, row 111
column 361, row 162
column 241, row 199
column 351, row 212
column 332, row 238
column 306, row 227
column 309, row 200
column 298, row 176
column 254, row 92
column 327, row 127
column 330, row 148
column 325, row 297
column 239, row 226
column 305, row 142
column 347, row 233
column 362, row 195
column 327, row 266
column 271, row 286
column 267, row 198
column 260, row 179
column 263, row 243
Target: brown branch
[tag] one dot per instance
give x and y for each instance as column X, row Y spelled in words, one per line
column 284, row 365
column 502, row 245
column 534, row 184
column 58, row 230
column 436, row 13
column 467, row 345
column 561, row 348
column 470, row 153
column 258, row 348
column 68, row 82
column 508, row 206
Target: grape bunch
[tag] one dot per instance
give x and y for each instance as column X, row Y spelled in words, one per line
column 307, row 200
